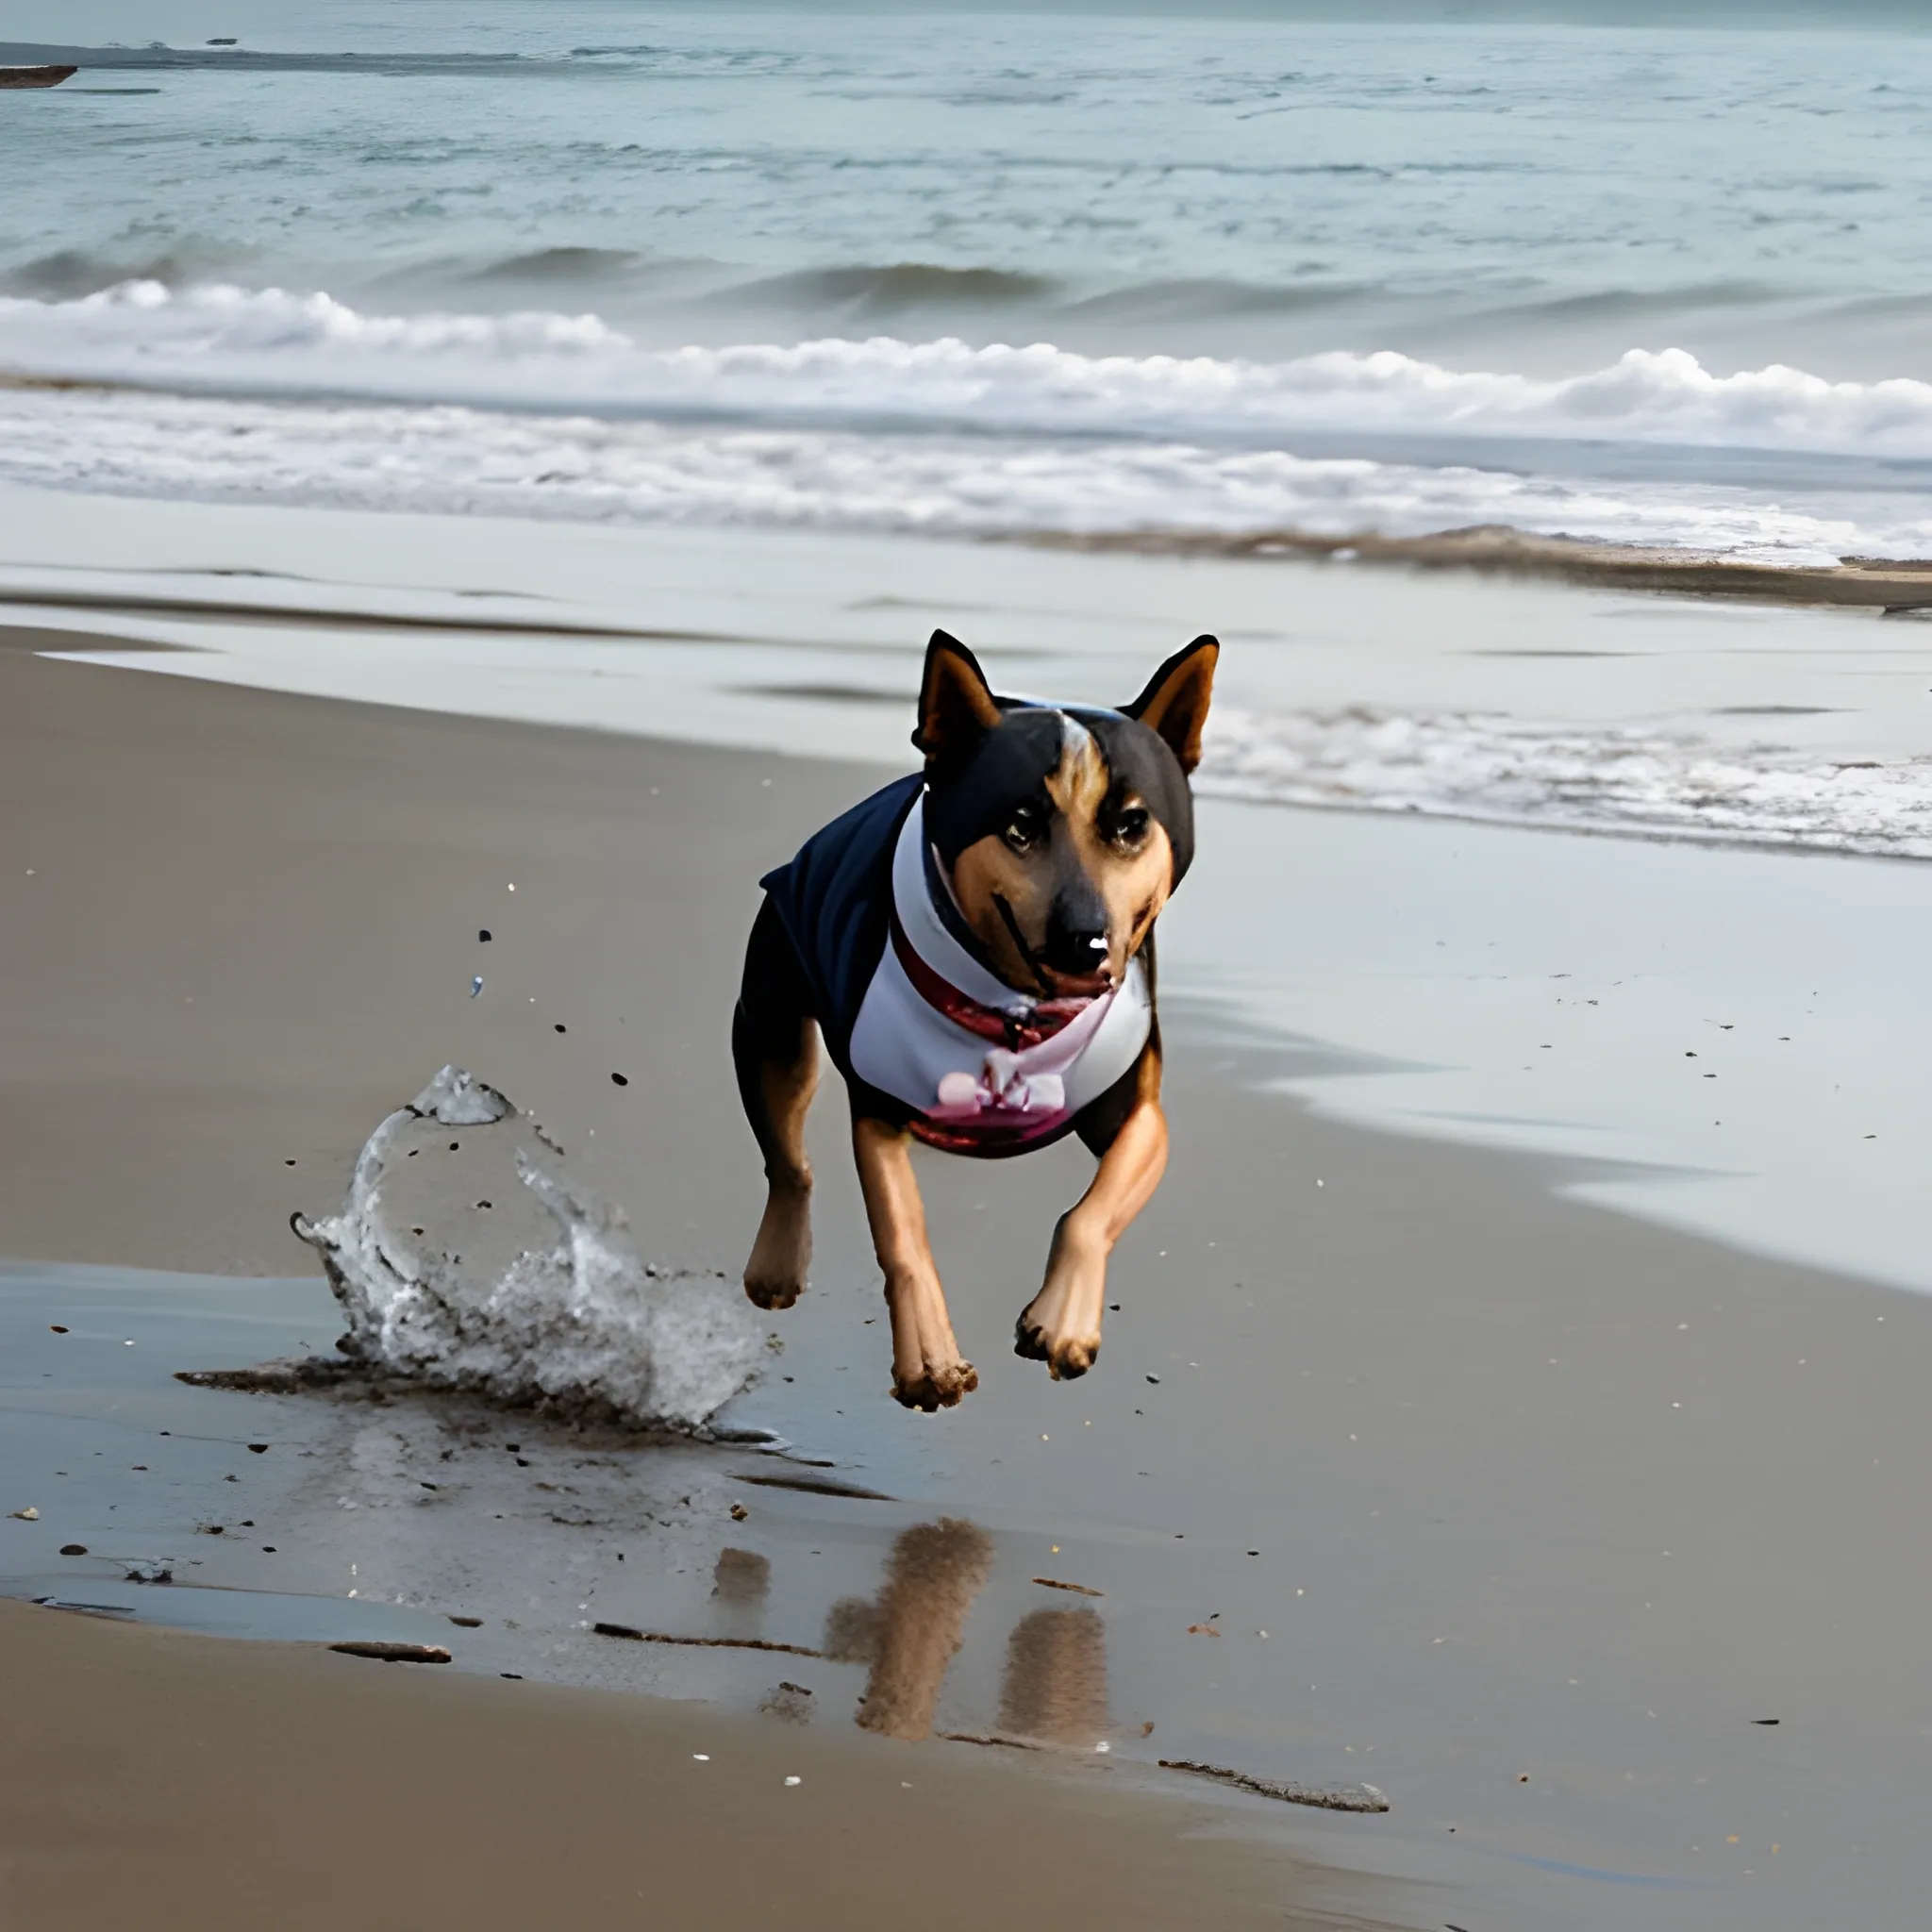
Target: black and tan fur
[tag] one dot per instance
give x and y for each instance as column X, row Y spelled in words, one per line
column 1062, row 831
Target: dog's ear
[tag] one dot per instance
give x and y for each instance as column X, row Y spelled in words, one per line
column 1176, row 701
column 957, row 707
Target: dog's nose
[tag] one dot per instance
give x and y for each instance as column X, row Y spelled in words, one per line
column 1075, row 946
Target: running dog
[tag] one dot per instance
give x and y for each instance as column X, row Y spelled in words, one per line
column 975, row 944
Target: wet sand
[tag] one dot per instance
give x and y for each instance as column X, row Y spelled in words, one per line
column 1893, row 584
column 1547, row 1509
column 160, row 1779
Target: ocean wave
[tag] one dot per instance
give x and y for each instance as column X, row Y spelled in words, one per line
column 445, row 458
column 892, row 288
column 64, row 274
column 231, row 339
column 1634, row 780
column 563, row 265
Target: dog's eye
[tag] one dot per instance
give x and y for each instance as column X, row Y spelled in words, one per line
column 1130, row 827
column 1027, row 823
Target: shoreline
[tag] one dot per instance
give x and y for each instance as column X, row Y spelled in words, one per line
column 1886, row 585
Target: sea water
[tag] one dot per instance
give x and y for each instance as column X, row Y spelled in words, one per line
column 983, row 272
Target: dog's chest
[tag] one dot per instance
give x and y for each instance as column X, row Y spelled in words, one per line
column 973, row 1088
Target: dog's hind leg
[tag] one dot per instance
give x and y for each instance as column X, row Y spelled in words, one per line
column 1061, row 1326
column 776, row 1047
column 927, row 1371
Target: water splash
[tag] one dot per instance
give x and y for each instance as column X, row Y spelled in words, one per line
column 478, row 1263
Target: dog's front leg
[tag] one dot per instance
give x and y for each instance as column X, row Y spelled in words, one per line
column 1061, row 1326
column 927, row 1371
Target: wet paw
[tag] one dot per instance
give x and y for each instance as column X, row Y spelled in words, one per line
column 938, row 1385
column 1067, row 1356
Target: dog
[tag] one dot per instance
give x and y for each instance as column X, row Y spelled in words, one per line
column 975, row 944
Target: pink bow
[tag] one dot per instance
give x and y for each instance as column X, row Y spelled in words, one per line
column 1000, row 1086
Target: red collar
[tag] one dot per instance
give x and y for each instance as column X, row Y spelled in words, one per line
column 1042, row 1021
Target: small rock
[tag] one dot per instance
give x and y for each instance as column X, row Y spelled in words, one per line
column 73, row 1549
column 257, row 1448
column 619, row 1080
column 738, row 1512
column 26, row 1515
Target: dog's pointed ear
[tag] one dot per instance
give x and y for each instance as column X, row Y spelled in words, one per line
column 1176, row 701
column 957, row 707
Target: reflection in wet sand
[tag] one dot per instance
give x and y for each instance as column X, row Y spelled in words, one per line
column 1055, row 1685
column 912, row 1633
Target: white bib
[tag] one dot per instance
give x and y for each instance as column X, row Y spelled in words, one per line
column 972, row 1093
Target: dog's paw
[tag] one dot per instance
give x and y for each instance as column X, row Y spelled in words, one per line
column 938, row 1385
column 1067, row 1356
column 772, row 1294
column 774, row 1276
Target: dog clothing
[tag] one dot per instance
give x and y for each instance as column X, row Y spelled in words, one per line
column 905, row 1008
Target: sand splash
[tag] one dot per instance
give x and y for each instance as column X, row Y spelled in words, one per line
column 464, row 1257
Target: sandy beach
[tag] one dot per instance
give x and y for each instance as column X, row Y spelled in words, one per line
column 1545, row 1513
column 476, row 484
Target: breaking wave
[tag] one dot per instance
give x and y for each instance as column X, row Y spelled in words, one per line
column 231, row 339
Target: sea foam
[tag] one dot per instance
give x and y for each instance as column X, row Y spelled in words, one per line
column 1646, row 780
column 442, row 458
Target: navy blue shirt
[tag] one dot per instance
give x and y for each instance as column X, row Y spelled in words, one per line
column 835, row 900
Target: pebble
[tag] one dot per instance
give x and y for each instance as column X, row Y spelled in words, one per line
column 26, row 1515
column 73, row 1549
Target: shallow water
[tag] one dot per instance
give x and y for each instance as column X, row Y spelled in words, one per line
column 385, row 1523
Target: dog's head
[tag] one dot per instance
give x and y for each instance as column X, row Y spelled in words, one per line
column 1061, row 830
